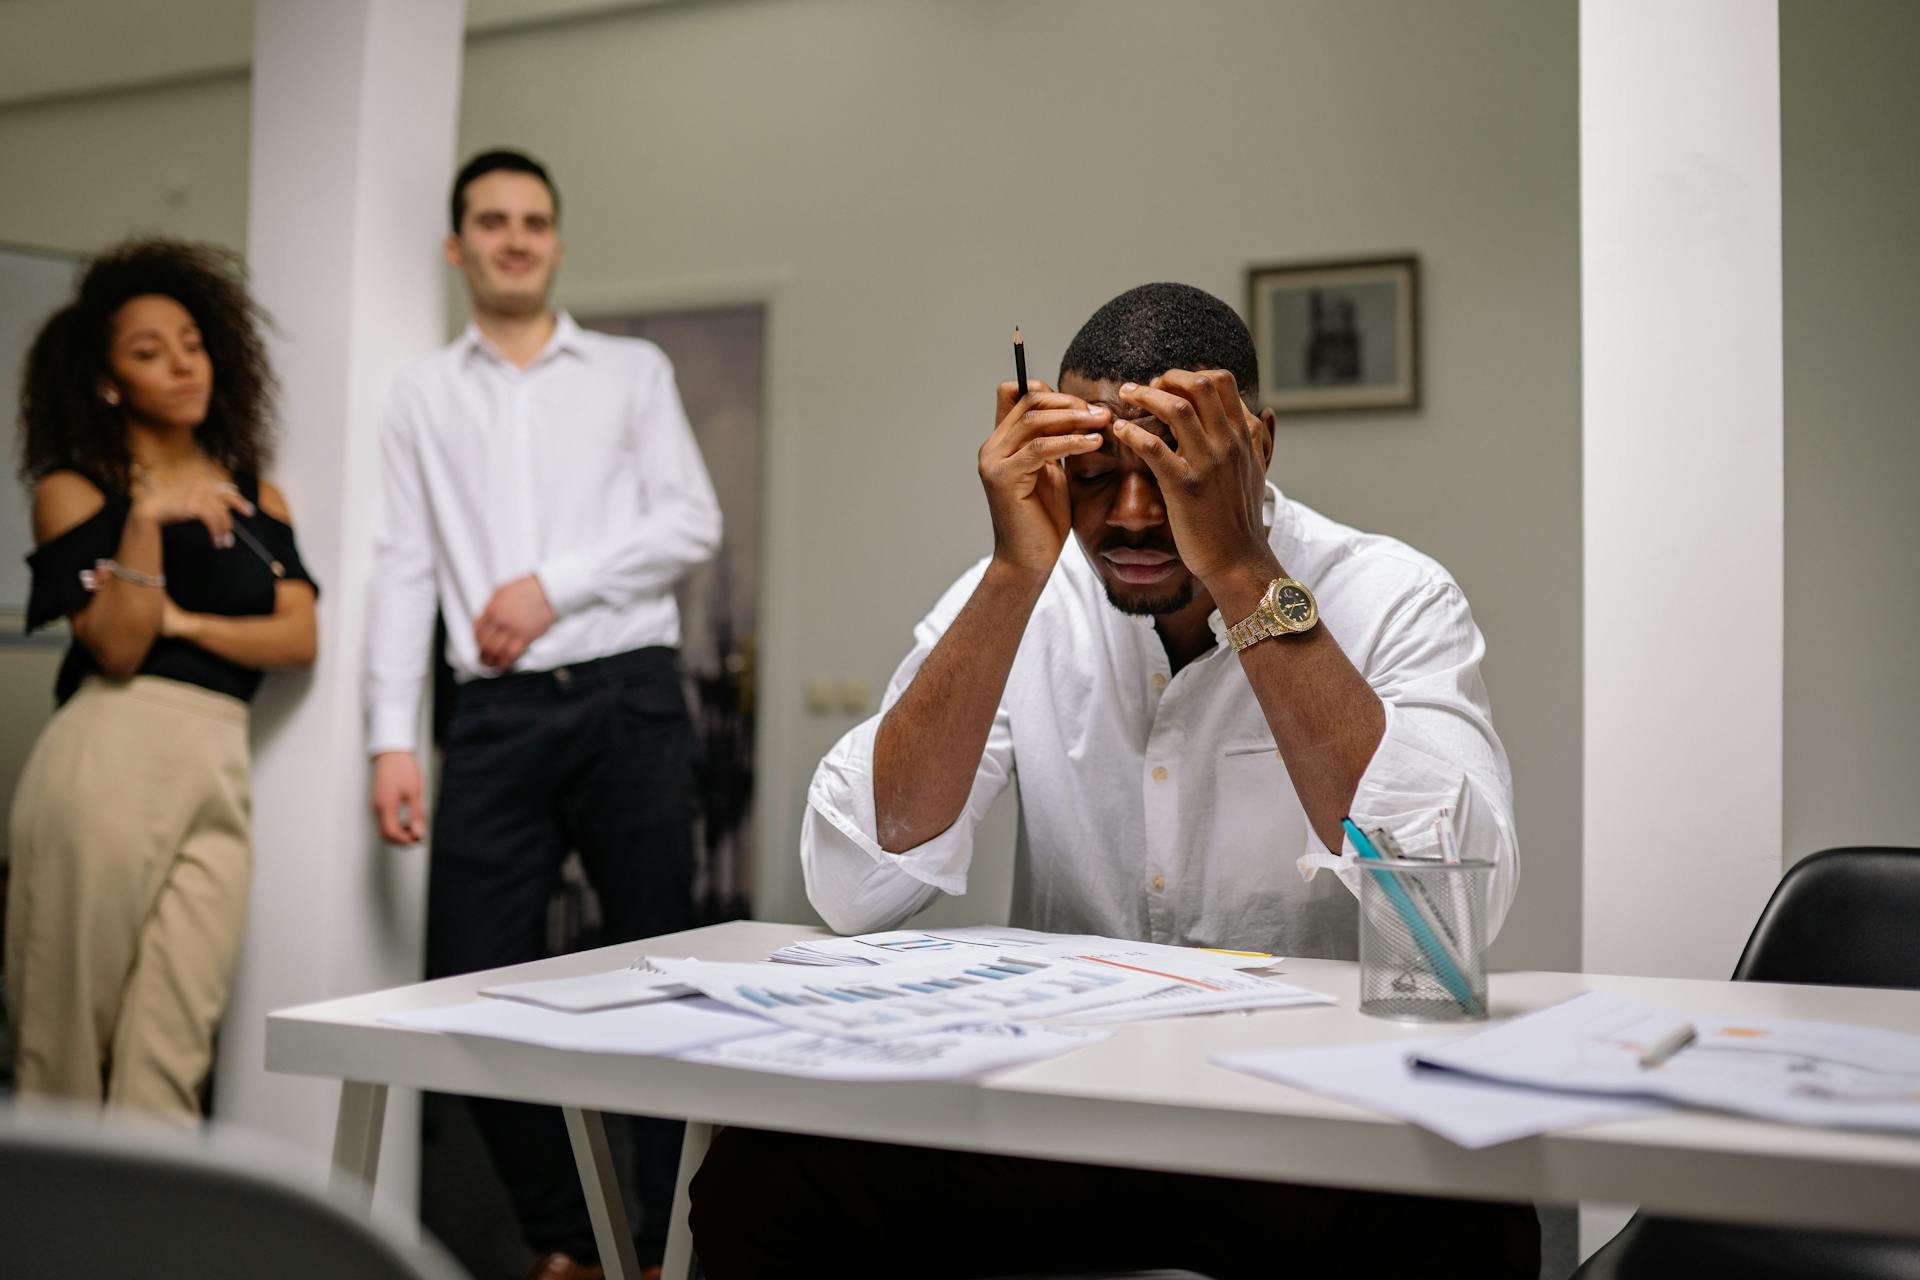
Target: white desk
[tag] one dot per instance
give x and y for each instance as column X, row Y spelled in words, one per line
column 1148, row 1097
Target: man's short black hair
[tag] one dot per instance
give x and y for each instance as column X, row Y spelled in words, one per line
column 1156, row 327
column 498, row 162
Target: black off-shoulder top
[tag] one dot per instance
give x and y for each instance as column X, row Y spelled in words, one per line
column 236, row 581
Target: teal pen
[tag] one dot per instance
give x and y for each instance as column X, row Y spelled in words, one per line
column 1436, row 956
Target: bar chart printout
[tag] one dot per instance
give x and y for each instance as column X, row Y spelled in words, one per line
column 913, row 997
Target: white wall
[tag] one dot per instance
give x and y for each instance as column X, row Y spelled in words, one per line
column 1850, row 104
column 907, row 181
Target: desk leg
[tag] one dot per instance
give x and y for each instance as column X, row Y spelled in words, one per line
column 693, row 1149
column 356, row 1139
column 602, row 1185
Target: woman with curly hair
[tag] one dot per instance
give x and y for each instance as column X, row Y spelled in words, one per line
column 145, row 415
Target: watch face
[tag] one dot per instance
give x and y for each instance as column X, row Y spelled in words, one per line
column 1294, row 604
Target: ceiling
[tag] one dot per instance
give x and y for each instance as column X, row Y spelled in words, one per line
column 54, row 49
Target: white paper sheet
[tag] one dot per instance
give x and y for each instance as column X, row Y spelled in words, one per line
column 1813, row 1073
column 961, row 1054
column 916, row 996
column 613, row 989
column 649, row 1029
column 1461, row 1109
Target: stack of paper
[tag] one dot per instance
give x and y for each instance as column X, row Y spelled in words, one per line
column 945, row 991
column 1601, row 1057
column 1813, row 1073
column 1472, row 1113
column 905, row 1006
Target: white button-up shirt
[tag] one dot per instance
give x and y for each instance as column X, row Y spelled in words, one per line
column 579, row 469
column 1154, row 805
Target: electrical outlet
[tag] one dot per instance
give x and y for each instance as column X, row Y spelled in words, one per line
column 853, row 697
column 823, row 697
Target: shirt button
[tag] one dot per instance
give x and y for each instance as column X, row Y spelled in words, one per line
column 1159, row 773
column 1159, row 883
column 1159, row 680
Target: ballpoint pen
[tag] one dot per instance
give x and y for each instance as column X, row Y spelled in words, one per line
column 1668, row 1045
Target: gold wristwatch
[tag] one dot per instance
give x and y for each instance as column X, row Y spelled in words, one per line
column 1287, row 609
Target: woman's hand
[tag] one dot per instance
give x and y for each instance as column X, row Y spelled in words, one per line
column 176, row 622
column 201, row 496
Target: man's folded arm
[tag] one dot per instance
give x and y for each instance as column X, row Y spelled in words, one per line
column 1439, row 750
column 856, row 885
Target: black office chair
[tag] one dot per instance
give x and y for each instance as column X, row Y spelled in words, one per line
column 83, row 1197
column 1844, row 917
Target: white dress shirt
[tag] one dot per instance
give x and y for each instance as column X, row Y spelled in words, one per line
column 1154, row 805
column 579, row 469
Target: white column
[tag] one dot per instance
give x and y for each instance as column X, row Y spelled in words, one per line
column 1682, row 449
column 354, row 118
column 1683, row 460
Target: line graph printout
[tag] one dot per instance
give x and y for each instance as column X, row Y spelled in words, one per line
column 960, row 1054
column 1194, row 986
column 914, row 996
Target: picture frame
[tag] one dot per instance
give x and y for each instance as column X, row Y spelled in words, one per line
column 1337, row 335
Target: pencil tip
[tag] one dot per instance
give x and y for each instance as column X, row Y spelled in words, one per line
column 1016, row 333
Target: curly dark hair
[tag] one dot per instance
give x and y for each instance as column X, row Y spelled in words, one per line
column 1156, row 327
column 64, row 424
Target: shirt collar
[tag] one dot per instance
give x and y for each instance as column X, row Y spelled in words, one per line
column 567, row 337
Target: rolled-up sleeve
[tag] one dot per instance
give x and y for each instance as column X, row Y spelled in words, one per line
column 854, row 884
column 1439, row 750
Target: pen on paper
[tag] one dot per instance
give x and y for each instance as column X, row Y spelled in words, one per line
column 1668, row 1045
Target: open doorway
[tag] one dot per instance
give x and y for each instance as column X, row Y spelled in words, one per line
column 719, row 361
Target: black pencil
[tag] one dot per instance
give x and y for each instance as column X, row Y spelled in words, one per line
column 1019, row 364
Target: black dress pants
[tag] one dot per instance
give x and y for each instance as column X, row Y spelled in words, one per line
column 595, row 758
column 777, row 1204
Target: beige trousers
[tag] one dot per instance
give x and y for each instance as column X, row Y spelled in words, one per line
column 127, row 894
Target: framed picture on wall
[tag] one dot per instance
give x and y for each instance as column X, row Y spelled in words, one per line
column 1337, row 335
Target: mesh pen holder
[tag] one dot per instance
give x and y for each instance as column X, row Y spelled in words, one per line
column 1423, row 939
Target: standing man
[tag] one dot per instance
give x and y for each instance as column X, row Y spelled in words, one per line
column 544, row 492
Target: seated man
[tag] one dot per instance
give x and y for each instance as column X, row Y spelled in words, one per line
column 1185, row 748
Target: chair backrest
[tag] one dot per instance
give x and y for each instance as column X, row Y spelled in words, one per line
column 1842, row 917
column 84, row 1197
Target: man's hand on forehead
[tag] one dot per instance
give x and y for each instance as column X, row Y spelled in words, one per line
column 1020, row 468
column 1206, row 459
column 1135, row 416
column 1163, row 405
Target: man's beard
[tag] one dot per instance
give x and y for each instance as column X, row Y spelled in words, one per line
column 1153, row 606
